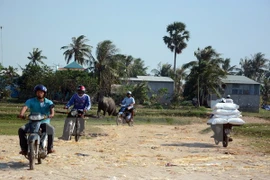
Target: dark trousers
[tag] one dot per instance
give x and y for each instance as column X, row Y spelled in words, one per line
column 49, row 129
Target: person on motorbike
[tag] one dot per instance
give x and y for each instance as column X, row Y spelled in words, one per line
column 41, row 105
column 228, row 99
column 128, row 102
column 79, row 100
column 218, row 128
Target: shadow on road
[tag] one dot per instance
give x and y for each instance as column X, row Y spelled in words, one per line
column 13, row 165
column 199, row 145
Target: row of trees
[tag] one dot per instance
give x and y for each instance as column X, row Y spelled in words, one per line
column 108, row 66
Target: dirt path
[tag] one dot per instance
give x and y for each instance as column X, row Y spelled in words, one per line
column 140, row 152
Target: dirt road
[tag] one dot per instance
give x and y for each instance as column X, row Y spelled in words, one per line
column 153, row 152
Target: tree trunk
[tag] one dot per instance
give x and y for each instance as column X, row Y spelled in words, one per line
column 174, row 66
column 198, row 91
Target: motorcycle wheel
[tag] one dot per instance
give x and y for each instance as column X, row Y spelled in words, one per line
column 31, row 156
column 39, row 160
column 77, row 133
column 225, row 141
column 128, row 122
column 118, row 119
column 216, row 141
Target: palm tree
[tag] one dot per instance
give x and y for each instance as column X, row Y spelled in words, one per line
column 36, row 57
column 105, row 65
column 231, row 70
column 255, row 67
column 78, row 49
column 163, row 70
column 180, row 76
column 138, row 68
column 176, row 39
column 205, row 74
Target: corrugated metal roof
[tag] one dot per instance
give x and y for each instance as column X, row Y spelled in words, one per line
column 152, row 78
column 73, row 65
column 233, row 79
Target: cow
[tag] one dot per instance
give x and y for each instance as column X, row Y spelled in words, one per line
column 107, row 104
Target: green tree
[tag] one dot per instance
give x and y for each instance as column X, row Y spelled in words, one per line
column 255, row 67
column 176, row 41
column 265, row 91
column 9, row 74
column 31, row 76
column 205, row 75
column 78, row 49
column 36, row 57
column 105, row 66
column 231, row 70
column 138, row 68
column 163, row 70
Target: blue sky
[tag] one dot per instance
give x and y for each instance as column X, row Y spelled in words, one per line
column 234, row 28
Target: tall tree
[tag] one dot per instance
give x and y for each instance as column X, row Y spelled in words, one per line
column 105, row 65
column 176, row 41
column 78, row 49
column 36, row 57
column 205, row 75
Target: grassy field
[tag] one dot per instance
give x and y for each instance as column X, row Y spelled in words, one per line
column 258, row 133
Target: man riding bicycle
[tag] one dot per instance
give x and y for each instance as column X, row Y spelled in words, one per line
column 80, row 101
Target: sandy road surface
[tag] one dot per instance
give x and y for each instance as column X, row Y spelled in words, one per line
column 151, row 152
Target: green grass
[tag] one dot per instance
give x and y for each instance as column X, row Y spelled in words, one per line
column 257, row 134
column 261, row 114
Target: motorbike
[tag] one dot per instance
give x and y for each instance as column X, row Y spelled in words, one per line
column 124, row 117
column 222, row 133
column 36, row 139
column 74, row 125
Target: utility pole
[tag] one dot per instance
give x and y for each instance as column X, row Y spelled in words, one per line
column 2, row 59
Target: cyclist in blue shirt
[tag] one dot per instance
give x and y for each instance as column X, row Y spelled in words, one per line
column 81, row 101
column 38, row 105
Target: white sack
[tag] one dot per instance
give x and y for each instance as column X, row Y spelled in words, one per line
column 227, row 116
column 226, row 112
column 214, row 121
column 229, row 106
column 236, row 121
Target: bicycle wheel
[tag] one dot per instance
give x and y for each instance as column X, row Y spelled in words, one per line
column 77, row 130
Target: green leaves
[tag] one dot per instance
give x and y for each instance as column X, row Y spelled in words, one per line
column 176, row 41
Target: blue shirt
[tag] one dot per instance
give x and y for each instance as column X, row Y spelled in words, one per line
column 42, row 108
column 127, row 101
column 80, row 102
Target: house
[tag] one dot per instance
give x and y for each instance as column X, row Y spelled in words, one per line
column 244, row 91
column 155, row 83
column 72, row 66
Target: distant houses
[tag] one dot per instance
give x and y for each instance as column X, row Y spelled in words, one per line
column 244, row 91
